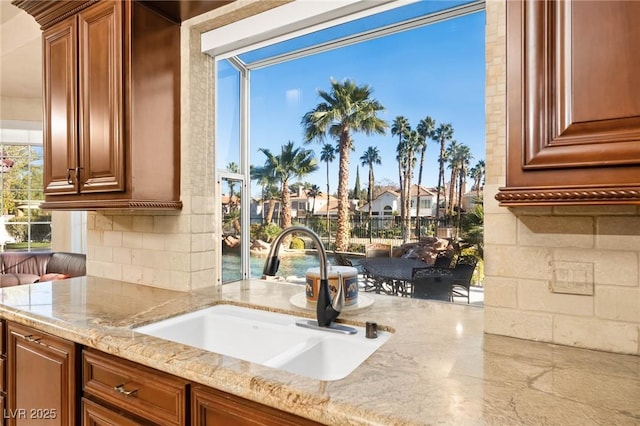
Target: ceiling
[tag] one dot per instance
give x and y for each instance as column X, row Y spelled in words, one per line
column 21, row 48
column 20, row 53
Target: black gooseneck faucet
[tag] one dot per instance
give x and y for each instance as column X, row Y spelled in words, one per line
column 327, row 310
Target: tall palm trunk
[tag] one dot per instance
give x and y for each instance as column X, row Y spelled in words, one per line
column 371, row 180
column 418, row 221
column 272, row 209
column 328, row 220
column 286, row 205
column 407, row 197
column 440, row 182
column 461, row 178
column 452, row 186
column 401, row 182
column 342, row 230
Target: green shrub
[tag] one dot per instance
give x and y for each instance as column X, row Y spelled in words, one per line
column 297, row 244
column 39, row 231
column 265, row 232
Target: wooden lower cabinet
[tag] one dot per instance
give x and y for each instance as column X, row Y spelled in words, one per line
column 145, row 393
column 53, row 382
column 41, row 378
column 211, row 407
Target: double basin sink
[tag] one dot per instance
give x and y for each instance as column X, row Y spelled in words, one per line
column 269, row 338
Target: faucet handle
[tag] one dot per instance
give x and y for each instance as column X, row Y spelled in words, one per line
column 338, row 301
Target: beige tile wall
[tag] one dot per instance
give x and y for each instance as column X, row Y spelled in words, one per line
column 523, row 245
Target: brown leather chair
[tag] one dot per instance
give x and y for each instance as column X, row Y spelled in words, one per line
column 18, row 268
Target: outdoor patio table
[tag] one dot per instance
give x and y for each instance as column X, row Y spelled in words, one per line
column 390, row 275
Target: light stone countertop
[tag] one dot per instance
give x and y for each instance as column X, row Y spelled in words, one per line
column 438, row 367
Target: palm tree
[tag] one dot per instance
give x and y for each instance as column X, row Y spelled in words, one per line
column 400, row 127
column 425, row 130
column 412, row 141
column 370, row 157
column 232, row 167
column 452, row 155
column 464, row 157
column 443, row 133
column 345, row 109
column 477, row 173
column 328, row 154
column 312, row 192
column 272, row 194
column 268, row 181
column 472, row 229
column 292, row 162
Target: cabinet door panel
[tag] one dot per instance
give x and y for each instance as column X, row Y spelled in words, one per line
column 60, row 131
column 573, row 102
column 41, row 379
column 101, row 101
column 581, row 96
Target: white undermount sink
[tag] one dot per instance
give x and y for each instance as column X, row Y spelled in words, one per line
column 269, row 338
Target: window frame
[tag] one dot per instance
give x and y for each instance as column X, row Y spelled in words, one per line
column 280, row 24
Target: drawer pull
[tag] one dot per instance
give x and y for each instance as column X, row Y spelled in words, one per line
column 30, row 338
column 120, row 389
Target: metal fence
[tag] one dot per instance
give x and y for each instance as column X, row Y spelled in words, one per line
column 365, row 230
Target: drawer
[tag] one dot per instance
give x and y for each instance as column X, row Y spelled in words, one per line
column 96, row 415
column 143, row 391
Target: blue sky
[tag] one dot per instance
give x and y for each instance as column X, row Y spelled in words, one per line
column 436, row 70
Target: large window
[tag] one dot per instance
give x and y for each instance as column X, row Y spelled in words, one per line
column 421, row 59
column 23, row 226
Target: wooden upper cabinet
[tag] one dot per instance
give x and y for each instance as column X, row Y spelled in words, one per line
column 573, row 103
column 111, row 103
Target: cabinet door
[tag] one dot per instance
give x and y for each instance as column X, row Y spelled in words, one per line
column 210, row 407
column 573, row 102
column 100, row 85
column 41, row 378
column 60, row 124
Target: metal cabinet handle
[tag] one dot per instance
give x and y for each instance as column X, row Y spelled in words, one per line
column 120, row 389
column 76, row 175
column 30, row 338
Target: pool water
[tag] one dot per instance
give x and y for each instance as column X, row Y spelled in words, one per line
column 290, row 265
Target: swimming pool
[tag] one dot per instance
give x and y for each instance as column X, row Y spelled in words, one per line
column 290, row 265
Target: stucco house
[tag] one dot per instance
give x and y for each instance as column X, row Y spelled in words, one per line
column 388, row 202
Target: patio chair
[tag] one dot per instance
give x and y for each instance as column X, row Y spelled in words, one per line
column 377, row 250
column 442, row 261
column 462, row 275
column 431, row 283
